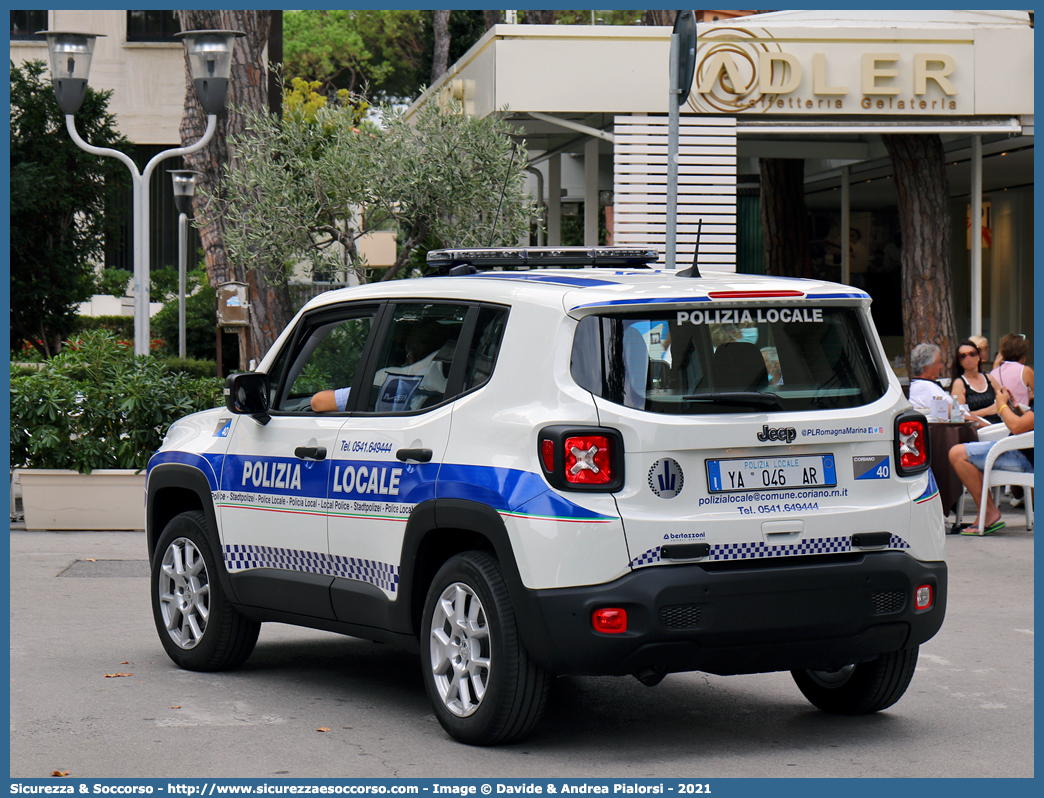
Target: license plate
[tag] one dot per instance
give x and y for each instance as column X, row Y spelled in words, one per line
column 771, row 473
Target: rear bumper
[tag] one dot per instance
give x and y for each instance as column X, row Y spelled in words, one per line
column 810, row 614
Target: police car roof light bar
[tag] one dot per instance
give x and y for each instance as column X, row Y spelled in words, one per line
column 448, row 261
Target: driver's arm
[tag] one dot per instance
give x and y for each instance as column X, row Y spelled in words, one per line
column 324, row 402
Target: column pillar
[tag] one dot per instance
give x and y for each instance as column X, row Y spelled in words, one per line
column 554, row 201
column 591, row 193
column 846, row 225
column 976, row 235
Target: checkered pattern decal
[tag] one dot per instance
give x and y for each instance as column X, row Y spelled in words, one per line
column 651, row 556
column 760, row 549
column 376, row 573
column 749, row 551
column 244, row 557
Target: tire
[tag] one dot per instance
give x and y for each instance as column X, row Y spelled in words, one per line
column 860, row 689
column 483, row 685
column 197, row 625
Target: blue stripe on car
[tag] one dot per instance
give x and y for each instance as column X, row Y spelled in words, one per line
column 504, row 489
column 677, row 300
column 853, row 295
column 509, row 490
column 930, row 491
column 209, row 464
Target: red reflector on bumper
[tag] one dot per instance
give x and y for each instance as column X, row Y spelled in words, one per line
column 610, row 620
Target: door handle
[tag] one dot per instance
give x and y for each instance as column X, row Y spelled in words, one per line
column 311, row 452
column 420, row 455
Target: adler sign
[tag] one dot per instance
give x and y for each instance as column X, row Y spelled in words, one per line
column 740, row 70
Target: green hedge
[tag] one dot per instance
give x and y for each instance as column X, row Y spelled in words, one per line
column 96, row 405
column 121, row 326
column 191, row 366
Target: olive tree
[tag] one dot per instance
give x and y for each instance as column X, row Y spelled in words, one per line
column 304, row 189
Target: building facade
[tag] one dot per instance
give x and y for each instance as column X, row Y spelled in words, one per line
column 822, row 87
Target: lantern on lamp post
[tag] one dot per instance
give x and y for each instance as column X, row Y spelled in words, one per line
column 210, row 63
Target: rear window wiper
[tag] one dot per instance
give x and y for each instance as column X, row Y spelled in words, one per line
column 742, row 398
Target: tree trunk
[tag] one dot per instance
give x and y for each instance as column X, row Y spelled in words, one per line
column 440, row 60
column 270, row 308
column 492, row 18
column 784, row 223
column 919, row 165
column 540, row 17
column 650, row 17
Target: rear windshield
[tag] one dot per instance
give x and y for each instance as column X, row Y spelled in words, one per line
column 727, row 360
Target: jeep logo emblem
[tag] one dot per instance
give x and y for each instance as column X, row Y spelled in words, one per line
column 787, row 434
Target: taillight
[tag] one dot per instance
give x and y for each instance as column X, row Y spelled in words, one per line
column 587, row 460
column 581, row 458
column 547, row 453
column 609, row 620
column 923, row 597
column 912, row 451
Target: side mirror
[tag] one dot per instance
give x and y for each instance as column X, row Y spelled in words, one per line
column 247, row 394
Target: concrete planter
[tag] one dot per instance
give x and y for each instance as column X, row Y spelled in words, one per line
column 57, row 498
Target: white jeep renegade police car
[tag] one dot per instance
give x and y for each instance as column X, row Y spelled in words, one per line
column 544, row 470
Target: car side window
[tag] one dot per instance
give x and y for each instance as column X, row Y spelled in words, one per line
column 484, row 346
column 416, row 354
column 327, row 357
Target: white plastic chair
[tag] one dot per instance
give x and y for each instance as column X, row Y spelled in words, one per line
column 994, row 432
column 994, row 478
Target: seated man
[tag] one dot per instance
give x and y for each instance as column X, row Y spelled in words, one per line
column 926, row 365
column 969, row 460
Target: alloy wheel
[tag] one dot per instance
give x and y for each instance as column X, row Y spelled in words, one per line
column 184, row 593
column 460, row 649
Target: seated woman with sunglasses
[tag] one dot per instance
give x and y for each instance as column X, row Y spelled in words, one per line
column 972, row 387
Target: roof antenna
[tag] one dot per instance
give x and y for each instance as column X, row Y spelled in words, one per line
column 694, row 270
column 507, row 177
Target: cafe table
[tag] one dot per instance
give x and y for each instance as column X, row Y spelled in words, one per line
column 943, row 436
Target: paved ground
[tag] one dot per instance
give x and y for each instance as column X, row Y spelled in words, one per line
column 80, row 612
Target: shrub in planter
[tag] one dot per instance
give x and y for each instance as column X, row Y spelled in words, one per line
column 96, row 405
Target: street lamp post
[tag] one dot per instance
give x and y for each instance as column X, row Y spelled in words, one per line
column 210, row 62
column 184, row 189
column 682, row 67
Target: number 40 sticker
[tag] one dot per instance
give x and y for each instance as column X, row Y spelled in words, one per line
column 871, row 467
